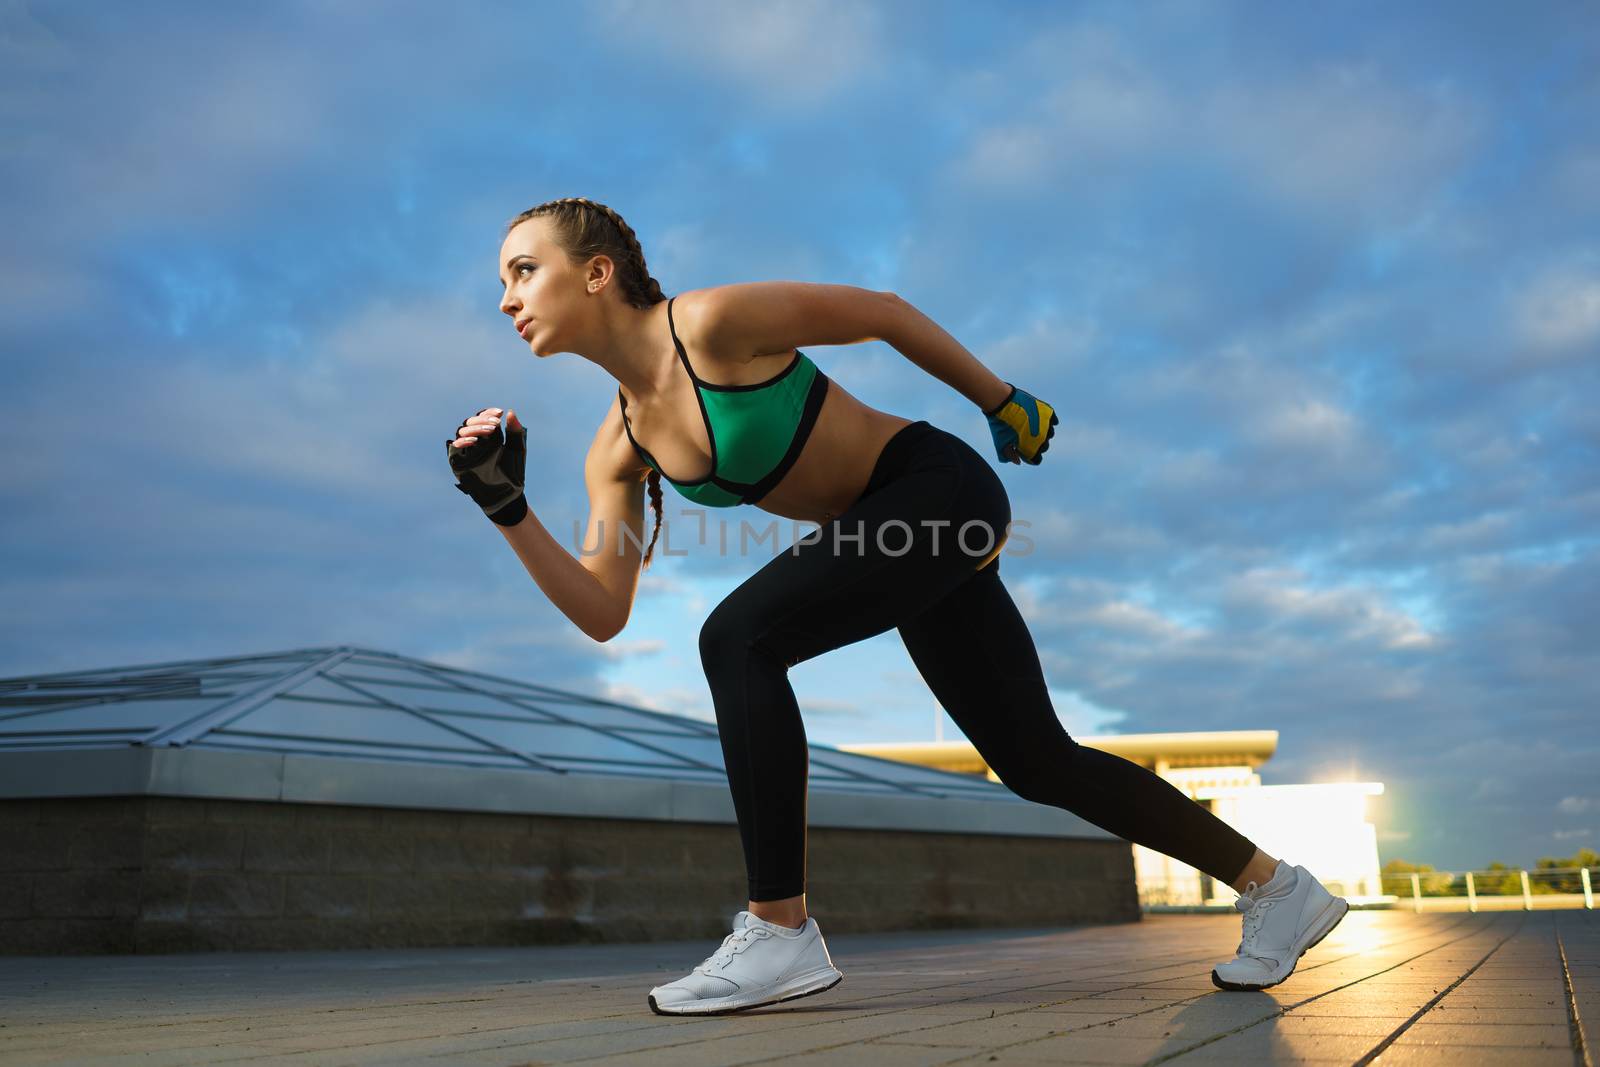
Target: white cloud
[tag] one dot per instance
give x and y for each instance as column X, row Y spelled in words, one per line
column 1353, row 613
column 798, row 52
column 1574, row 805
column 1090, row 101
column 1065, row 345
column 1082, row 717
column 1338, row 135
column 692, row 703
column 831, row 708
column 1478, row 533
column 1306, row 424
column 617, row 649
column 1558, row 311
column 1137, row 619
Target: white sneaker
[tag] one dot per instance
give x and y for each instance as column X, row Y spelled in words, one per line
column 759, row 963
column 1282, row 919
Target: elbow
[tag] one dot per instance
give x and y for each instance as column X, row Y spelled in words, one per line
column 897, row 319
column 607, row 632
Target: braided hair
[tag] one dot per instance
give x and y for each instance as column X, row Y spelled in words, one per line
column 584, row 229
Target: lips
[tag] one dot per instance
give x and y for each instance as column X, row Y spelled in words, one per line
column 522, row 327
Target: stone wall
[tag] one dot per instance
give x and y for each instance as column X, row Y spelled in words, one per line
column 156, row 874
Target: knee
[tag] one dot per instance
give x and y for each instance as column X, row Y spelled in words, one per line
column 1043, row 774
column 722, row 635
column 729, row 636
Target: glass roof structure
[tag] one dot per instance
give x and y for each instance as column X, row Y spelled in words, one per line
column 361, row 704
column 348, row 725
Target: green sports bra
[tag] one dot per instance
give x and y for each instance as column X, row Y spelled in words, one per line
column 756, row 431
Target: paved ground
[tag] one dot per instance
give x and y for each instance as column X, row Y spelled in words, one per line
column 1385, row 987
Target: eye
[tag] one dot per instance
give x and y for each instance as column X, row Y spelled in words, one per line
column 524, row 266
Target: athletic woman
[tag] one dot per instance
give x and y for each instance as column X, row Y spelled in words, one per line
column 713, row 387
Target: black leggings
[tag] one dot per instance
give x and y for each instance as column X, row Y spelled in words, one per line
column 933, row 492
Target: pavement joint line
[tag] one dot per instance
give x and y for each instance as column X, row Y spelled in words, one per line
column 1445, row 928
column 618, row 1015
column 800, row 1018
column 1580, row 1048
column 1283, row 1011
column 799, row 1015
column 1420, row 1012
column 159, row 1024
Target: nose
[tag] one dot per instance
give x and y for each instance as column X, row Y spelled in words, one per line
column 509, row 306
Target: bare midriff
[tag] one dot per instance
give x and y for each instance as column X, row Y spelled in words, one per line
column 835, row 462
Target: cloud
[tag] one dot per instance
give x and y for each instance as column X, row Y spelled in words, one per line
column 1093, row 102
column 1315, row 298
column 693, row 703
column 1307, row 425
column 1351, row 138
column 1341, row 135
column 801, row 53
column 1276, row 596
column 832, row 709
column 617, row 649
column 1558, row 312
column 1574, row 805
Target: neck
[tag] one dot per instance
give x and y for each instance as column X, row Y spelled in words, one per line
column 634, row 346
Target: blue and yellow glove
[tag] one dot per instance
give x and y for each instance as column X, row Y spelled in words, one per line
column 1022, row 427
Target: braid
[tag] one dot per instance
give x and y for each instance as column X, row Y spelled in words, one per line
column 653, row 484
column 576, row 224
column 575, row 221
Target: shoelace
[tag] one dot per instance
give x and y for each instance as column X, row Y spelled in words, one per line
column 732, row 945
column 1254, row 912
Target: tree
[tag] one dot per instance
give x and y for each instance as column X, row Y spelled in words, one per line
column 1508, row 882
column 1570, row 882
column 1397, row 879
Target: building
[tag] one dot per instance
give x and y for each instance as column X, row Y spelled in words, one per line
column 343, row 797
column 1322, row 826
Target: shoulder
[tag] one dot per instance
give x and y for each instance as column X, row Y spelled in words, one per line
column 694, row 315
column 713, row 324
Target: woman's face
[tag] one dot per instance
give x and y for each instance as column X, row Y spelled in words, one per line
column 542, row 291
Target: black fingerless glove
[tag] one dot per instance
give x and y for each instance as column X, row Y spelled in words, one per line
column 490, row 471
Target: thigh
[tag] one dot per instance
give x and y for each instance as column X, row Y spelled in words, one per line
column 879, row 562
column 974, row 650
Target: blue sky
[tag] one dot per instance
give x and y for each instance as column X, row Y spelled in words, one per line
column 1316, row 293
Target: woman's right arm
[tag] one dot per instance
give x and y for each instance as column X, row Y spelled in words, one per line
column 595, row 593
column 571, row 586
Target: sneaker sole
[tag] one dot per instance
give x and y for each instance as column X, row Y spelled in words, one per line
column 820, row 982
column 1331, row 916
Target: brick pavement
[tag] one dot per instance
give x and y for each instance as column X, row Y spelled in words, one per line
column 1386, row 987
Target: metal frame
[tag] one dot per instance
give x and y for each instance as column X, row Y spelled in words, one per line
column 341, row 666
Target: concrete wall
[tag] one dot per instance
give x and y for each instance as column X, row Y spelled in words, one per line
column 158, row 874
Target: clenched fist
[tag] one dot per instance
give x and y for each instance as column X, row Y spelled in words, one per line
column 489, row 466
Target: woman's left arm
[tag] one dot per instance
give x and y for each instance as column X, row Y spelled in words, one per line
column 925, row 343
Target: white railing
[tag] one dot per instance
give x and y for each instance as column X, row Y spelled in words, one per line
column 1495, row 889
column 1440, row 882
